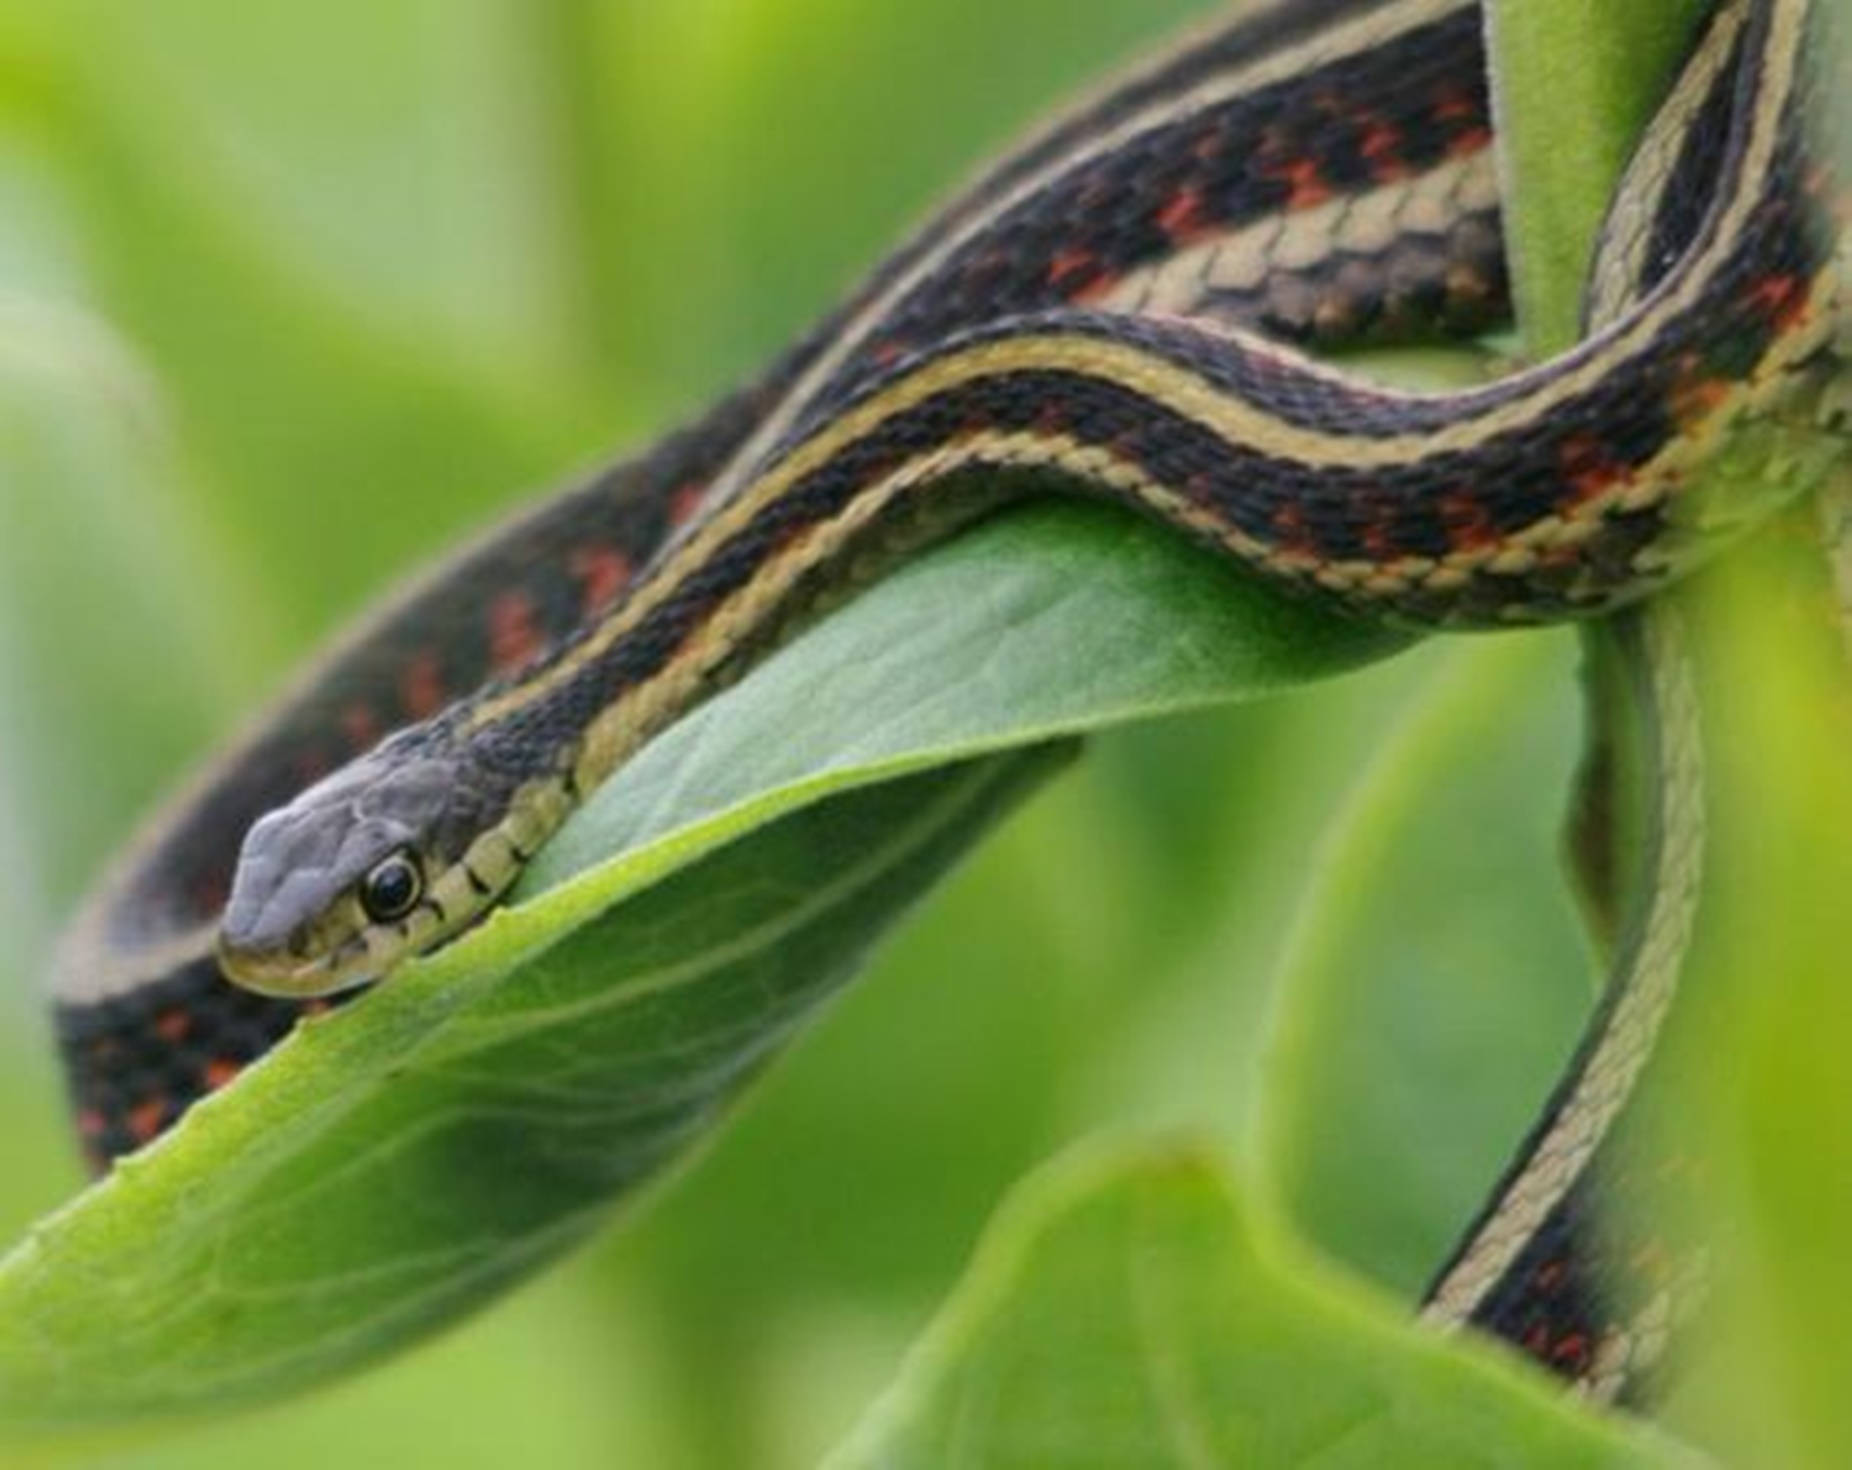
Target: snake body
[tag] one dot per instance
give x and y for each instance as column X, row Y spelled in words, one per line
column 1120, row 309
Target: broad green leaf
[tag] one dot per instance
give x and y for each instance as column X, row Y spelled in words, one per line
column 1105, row 620
column 396, row 1163
column 403, row 1159
column 1128, row 1310
column 1403, row 995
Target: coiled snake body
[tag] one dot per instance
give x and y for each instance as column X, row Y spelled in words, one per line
column 1120, row 308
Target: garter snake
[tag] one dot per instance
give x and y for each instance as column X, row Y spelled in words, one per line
column 1124, row 306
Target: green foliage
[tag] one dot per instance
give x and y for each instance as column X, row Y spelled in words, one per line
column 286, row 309
column 1125, row 1312
column 403, row 1159
column 1763, row 1099
column 1750, row 1102
column 1403, row 993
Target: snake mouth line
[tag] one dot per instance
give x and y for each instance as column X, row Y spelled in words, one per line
column 290, row 974
column 343, row 949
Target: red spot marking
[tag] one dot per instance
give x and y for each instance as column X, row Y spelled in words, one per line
column 1571, row 1351
column 1185, row 217
column 360, row 725
column 685, row 501
column 602, row 572
column 1078, row 275
column 1291, row 534
column 145, row 1118
column 1050, row 420
column 1537, row 1340
column 1588, row 470
column 1461, row 114
column 172, row 1025
column 1472, row 140
column 1548, row 1276
column 514, row 636
column 1306, row 185
column 1455, row 106
column 1098, row 291
column 1378, row 537
column 974, row 423
column 421, row 687
column 1381, row 144
column 1782, row 299
column 221, row 1070
column 1469, row 528
column 91, row 1123
column 1696, row 396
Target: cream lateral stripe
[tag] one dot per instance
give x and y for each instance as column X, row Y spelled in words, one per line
column 631, row 719
column 1354, row 38
column 1113, row 362
column 1643, row 184
column 1650, row 981
column 1636, row 333
column 1650, row 975
column 635, row 712
column 87, row 965
column 1183, row 393
column 1210, row 407
column 106, row 971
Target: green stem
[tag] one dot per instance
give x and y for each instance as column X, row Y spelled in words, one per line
column 1577, row 80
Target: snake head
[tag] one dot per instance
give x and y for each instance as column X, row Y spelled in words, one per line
column 388, row 857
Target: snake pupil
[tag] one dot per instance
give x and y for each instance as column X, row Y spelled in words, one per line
column 392, row 889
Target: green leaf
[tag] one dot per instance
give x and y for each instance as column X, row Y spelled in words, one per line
column 1402, row 993
column 405, row 1158
column 1125, row 1310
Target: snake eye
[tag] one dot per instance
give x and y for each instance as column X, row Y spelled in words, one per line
column 392, row 889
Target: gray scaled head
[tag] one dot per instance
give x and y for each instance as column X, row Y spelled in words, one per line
column 361, row 870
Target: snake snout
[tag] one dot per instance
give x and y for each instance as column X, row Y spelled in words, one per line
column 293, row 923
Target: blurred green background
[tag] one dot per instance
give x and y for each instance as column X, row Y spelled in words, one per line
column 290, row 297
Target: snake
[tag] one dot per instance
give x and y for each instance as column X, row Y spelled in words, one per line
column 1141, row 305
